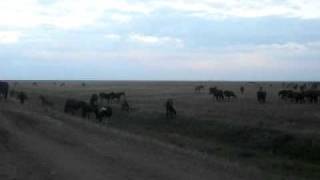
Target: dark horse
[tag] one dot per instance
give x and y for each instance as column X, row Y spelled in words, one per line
column 100, row 113
column 4, row 89
column 22, row 96
column 285, row 94
column 103, row 112
column 217, row 93
column 293, row 96
column 312, row 95
column 73, row 105
column 170, row 110
column 229, row 94
column 91, row 107
column 297, row 97
column 105, row 96
column 87, row 109
column 261, row 96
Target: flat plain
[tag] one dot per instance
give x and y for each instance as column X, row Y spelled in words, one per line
column 231, row 139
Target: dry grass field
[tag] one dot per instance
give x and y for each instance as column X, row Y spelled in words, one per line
column 236, row 139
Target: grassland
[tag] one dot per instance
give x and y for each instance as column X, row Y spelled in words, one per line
column 278, row 137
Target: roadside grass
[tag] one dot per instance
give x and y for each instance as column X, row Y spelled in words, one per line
column 276, row 150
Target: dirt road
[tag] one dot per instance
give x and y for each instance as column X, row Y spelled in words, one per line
column 38, row 144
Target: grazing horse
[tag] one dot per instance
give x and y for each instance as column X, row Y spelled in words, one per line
column 22, row 96
column 170, row 110
column 241, row 89
column 197, row 89
column 229, row 94
column 45, row 101
column 261, row 96
column 4, row 89
column 117, row 96
column 62, row 84
column 34, row 84
column 103, row 112
column 73, row 105
column 105, row 96
column 217, row 93
column 83, row 84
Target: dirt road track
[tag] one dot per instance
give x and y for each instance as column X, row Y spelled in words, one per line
column 51, row 145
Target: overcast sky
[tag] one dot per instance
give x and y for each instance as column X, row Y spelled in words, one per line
column 160, row 39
